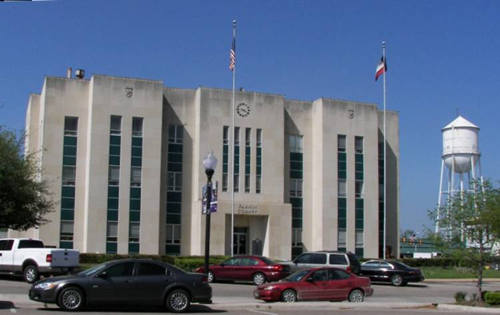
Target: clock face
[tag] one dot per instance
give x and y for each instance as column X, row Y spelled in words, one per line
column 243, row 109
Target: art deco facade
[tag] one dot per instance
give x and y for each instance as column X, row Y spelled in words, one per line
column 123, row 160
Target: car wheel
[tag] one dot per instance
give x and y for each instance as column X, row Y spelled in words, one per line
column 30, row 273
column 289, row 296
column 178, row 301
column 356, row 296
column 71, row 299
column 397, row 280
column 210, row 277
column 259, row 278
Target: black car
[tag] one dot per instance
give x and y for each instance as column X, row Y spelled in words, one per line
column 125, row 282
column 391, row 271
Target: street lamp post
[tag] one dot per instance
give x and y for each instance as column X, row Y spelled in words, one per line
column 209, row 163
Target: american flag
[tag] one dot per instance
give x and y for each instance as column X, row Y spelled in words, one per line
column 232, row 56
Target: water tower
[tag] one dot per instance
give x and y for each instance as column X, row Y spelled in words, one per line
column 460, row 165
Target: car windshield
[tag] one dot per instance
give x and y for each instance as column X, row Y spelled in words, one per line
column 92, row 271
column 297, row 276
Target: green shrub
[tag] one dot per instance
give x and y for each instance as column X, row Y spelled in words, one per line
column 188, row 263
column 460, row 296
column 492, row 298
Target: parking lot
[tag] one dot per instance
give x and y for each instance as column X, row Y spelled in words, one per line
column 236, row 298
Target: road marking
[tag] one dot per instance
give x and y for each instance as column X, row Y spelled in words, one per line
column 13, row 310
column 261, row 312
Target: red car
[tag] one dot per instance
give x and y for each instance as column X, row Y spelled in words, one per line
column 330, row 284
column 247, row 268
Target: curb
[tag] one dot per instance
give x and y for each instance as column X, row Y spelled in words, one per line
column 461, row 280
column 468, row 309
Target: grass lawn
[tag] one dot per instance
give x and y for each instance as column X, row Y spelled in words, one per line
column 455, row 273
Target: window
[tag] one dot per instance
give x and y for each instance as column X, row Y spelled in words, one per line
column 137, row 126
column 120, row 270
column 359, row 238
column 29, row 244
column 295, row 187
column 358, row 189
column 148, row 269
column 225, row 135
column 116, row 125
column 236, row 182
column 336, row 259
column 68, row 177
column 342, row 187
column 173, row 233
column 249, row 262
column 318, row 259
column 341, row 238
column 135, row 176
column 296, row 237
column 320, row 275
column 236, row 135
column 66, row 230
column 70, row 126
column 341, row 145
column 247, row 136
column 295, row 143
column 6, row 244
column 112, row 231
column 174, row 181
column 114, row 175
column 233, row 262
column 134, row 230
column 358, row 145
column 259, row 138
column 257, row 184
column 224, row 182
column 337, row 274
column 175, row 133
column 311, row 259
column 247, row 183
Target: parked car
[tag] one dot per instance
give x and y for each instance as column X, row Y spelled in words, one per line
column 346, row 261
column 330, row 284
column 125, row 282
column 392, row 271
column 31, row 258
column 257, row 269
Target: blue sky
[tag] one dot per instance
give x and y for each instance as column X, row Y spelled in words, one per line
column 442, row 58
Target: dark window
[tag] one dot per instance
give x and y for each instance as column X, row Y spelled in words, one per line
column 318, row 258
column 30, row 244
column 233, row 262
column 338, row 260
column 249, row 262
column 320, row 275
column 120, row 270
column 146, row 269
column 311, row 259
column 337, row 274
column 341, row 143
column 136, row 126
column 6, row 244
column 70, row 126
column 115, row 125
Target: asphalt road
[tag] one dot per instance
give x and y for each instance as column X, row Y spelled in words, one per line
column 237, row 298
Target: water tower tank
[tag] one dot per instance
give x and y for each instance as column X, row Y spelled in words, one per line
column 460, row 144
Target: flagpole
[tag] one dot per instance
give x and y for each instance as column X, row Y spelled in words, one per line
column 232, row 150
column 385, row 161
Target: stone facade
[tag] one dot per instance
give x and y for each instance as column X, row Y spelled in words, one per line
column 268, row 124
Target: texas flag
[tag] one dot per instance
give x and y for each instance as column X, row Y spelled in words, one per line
column 381, row 68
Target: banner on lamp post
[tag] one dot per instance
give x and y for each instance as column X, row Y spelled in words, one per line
column 213, row 201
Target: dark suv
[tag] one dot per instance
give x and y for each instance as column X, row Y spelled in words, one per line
column 346, row 261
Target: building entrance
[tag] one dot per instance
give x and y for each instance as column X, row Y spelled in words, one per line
column 240, row 241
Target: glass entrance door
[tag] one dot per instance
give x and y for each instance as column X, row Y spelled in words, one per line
column 240, row 241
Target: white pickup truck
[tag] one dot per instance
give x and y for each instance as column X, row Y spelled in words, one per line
column 31, row 258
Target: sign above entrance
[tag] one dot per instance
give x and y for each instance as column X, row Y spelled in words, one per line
column 247, row 209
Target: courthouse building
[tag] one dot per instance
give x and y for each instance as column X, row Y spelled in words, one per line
column 122, row 159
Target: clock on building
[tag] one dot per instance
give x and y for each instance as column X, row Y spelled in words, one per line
column 243, row 109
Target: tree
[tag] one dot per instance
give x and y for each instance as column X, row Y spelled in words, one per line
column 24, row 200
column 469, row 227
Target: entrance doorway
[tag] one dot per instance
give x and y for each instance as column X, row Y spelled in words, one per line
column 240, row 241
